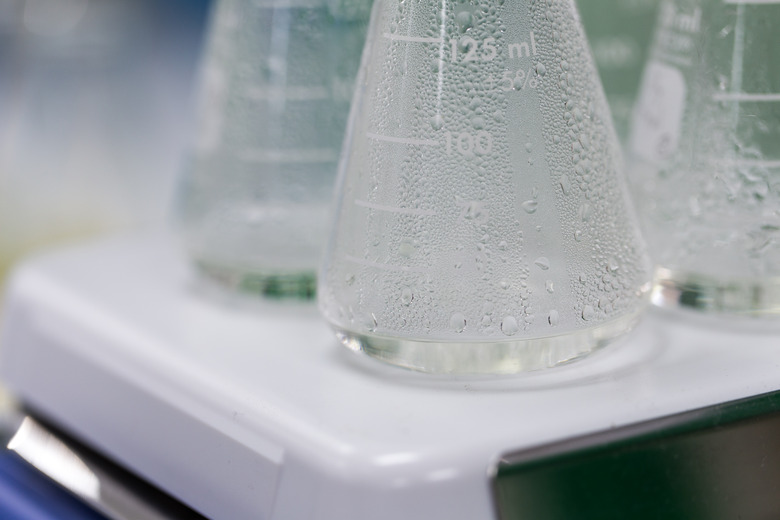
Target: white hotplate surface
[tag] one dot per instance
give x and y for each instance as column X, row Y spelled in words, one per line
column 253, row 410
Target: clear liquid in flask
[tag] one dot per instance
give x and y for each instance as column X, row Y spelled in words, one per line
column 483, row 224
column 704, row 159
column 277, row 83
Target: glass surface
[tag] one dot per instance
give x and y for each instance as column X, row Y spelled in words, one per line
column 277, row 82
column 482, row 222
column 705, row 159
column 620, row 33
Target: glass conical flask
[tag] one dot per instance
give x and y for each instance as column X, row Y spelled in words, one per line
column 706, row 156
column 620, row 33
column 483, row 224
column 277, row 81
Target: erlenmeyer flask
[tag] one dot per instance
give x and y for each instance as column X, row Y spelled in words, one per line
column 706, row 160
column 620, row 33
column 277, row 83
column 483, row 224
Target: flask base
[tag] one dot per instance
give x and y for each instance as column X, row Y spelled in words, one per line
column 738, row 296
column 300, row 285
column 486, row 357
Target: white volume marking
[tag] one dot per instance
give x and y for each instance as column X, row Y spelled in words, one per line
column 417, row 39
column 744, row 96
column 403, row 140
column 384, row 267
column 752, row 2
column 393, row 209
column 758, row 163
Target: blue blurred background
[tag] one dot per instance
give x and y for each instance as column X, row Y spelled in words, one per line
column 96, row 100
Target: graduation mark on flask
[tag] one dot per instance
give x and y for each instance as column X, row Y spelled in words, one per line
column 384, row 267
column 745, row 97
column 394, row 209
column 752, row 2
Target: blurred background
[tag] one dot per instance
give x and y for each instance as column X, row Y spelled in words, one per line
column 95, row 103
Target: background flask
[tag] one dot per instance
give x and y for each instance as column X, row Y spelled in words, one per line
column 483, row 224
column 620, row 33
column 277, row 83
column 705, row 157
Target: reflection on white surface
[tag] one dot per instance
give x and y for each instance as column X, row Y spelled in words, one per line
column 395, row 459
column 54, row 459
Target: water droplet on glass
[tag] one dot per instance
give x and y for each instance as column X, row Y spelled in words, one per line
column 586, row 210
column 542, row 263
column 565, row 184
column 549, row 286
column 437, row 122
column 541, row 69
column 553, row 318
column 464, row 20
column 369, row 322
column 530, row 206
column 588, row 313
column 509, row 326
column 407, row 296
column 407, row 247
column 458, row 322
column 474, row 210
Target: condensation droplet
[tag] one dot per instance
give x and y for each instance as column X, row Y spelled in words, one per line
column 458, row 322
column 565, row 184
column 407, row 247
column 530, row 206
column 553, row 318
column 369, row 322
column 407, row 296
column 585, row 212
column 588, row 312
column 542, row 263
column 437, row 122
column 549, row 286
column 509, row 326
column 464, row 20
